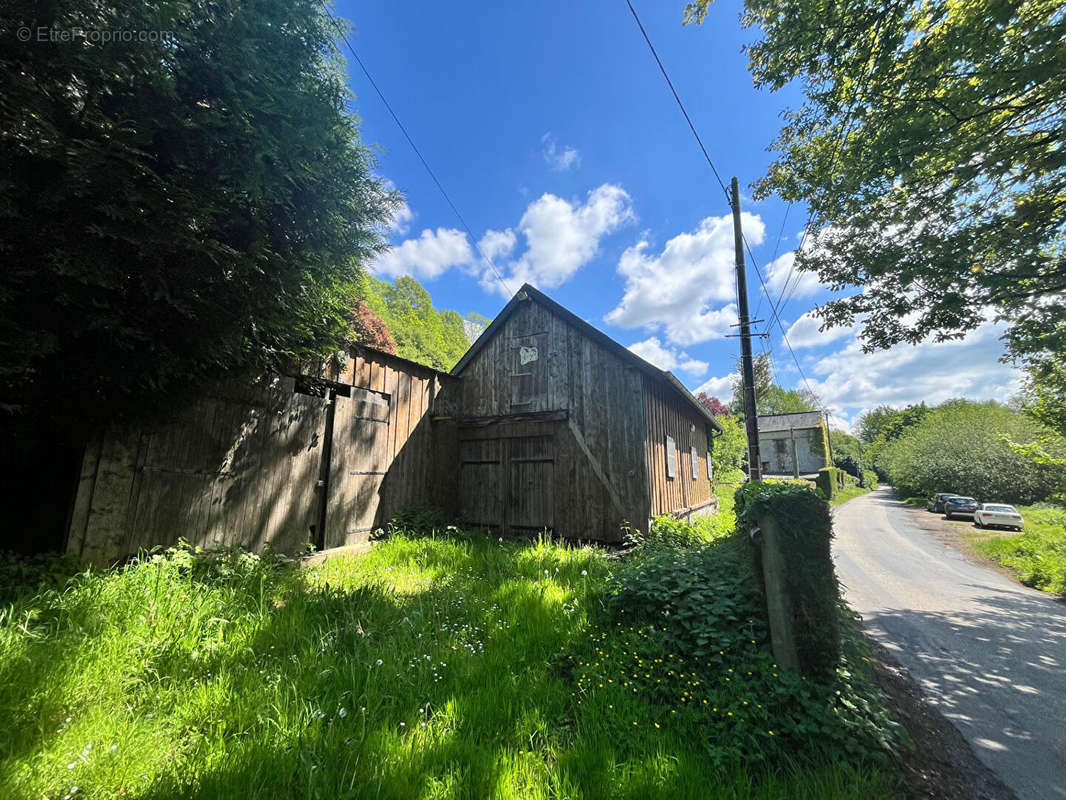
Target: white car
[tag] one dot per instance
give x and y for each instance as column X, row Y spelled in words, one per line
column 995, row 515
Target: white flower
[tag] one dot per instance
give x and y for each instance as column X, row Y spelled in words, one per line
column 403, row 724
column 72, row 764
column 342, row 713
column 584, row 572
column 380, row 662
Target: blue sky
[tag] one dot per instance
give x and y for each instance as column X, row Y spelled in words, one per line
column 556, row 136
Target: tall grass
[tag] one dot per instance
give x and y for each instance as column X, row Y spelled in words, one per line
column 429, row 668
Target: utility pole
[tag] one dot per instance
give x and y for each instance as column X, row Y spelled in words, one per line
column 751, row 419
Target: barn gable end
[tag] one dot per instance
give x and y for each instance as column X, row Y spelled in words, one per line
column 606, row 412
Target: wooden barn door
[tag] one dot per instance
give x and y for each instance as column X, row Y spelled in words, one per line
column 507, row 484
column 358, row 460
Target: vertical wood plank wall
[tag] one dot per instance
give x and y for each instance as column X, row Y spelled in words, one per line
column 240, row 467
column 602, row 396
column 668, row 415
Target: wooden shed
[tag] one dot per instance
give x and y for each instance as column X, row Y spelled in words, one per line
column 561, row 427
column 545, row 423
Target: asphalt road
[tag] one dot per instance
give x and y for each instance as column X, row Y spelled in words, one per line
column 988, row 653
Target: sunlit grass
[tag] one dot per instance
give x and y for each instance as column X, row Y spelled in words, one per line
column 428, row 668
column 1038, row 555
column 850, row 493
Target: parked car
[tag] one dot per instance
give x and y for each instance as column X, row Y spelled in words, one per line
column 959, row 507
column 997, row 515
column 936, row 502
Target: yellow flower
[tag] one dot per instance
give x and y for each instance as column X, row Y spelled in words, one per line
column 656, row 724
column 770, row 732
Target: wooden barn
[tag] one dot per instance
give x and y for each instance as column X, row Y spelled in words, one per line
column 545, row 423
column 562, row 427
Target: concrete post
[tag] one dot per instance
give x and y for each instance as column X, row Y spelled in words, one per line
column 778, row 603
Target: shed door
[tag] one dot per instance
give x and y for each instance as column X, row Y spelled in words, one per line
column 507, row 484
column 530, row 468
column 482, row 498
column 358, row 460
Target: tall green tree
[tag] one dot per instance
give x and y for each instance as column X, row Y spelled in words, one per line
column 175, row 206
column 769, row 397
column 421, row 333
column 931, row 153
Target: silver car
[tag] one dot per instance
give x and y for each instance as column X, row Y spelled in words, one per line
column 997, row 515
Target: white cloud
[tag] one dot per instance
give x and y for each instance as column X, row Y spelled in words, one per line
column 687, row 289
column 559, row 158
column 400, row 222
column 562, row 236
column 668, row 358
column 722, row 388
column 804, row 332
column 931, row 372
column 800, row 284
column 497, row 244
column 427, row 257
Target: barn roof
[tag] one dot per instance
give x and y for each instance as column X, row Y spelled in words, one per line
column 783, row 422
column 528, row 292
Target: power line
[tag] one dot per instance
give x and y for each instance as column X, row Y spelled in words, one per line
column 781, row 327
column 773, row 258
column 721, row 183
column 410, row 141
column 680, row 105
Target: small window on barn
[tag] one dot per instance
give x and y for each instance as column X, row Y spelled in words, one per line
column 671, row 458
column 695, row 462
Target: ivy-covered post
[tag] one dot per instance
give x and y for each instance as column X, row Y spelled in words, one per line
column 779, row 611
column 792, row 528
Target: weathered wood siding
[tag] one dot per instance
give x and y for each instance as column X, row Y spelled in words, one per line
column 249, row 464
column 668, row 415
column 537, row 364
column 238, row 468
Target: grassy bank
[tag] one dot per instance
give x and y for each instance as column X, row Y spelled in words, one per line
column 849, row 493
column 1038, row 555
column 433, row 667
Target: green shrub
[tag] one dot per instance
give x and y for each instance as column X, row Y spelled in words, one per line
column 964, row 447
column 806, row 529
column 688, row 632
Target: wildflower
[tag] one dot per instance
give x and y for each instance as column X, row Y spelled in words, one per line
column 342, row 713
column 380, row 662
column 770, row 732
column 584, row 572
column 72, row 764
